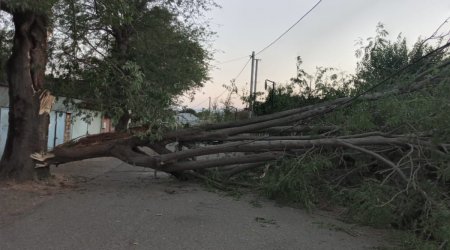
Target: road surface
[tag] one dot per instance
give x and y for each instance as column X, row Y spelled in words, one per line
column 117, row 206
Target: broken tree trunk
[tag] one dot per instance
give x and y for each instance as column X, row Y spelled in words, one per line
column 27, row 132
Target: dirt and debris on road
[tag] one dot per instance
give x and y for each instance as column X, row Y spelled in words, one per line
column 21, row 198
column 105, row 204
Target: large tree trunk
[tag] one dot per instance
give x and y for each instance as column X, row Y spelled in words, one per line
column 122, row 35
column 122, row 123
column 27, row 131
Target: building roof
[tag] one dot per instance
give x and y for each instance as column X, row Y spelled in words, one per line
column 187, row 118
column 59, row 104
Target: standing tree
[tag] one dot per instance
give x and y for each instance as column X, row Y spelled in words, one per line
column 25, row 76
column 135, row 55
column 132, row 58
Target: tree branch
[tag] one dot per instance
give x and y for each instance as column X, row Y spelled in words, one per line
column 377, row 156
column 281, row 145
column 195, row 165
column 197, row 134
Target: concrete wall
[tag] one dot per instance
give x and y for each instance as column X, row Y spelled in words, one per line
column 56, row 129
column 3, row 128
column 80, row 127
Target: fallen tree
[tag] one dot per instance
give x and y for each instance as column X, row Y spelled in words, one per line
column 381, row 148
column 261, row 139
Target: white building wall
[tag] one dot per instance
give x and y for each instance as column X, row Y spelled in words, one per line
column 3, row 128
column 82, row 128
column 78, row 128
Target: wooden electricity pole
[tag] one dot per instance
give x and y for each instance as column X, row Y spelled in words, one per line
column 250, row 102
column 254, row 84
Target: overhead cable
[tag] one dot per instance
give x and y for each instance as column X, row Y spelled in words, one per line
column 284, row 33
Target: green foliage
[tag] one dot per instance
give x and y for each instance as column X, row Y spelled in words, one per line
column 6, row 36
column 408, row 240
column 129, row 59
column 381, row 58
column 372, row 193
column 281, row 98
column 327, row 83
column 188, row 110
column 216, row 116
column 305, row 89
column 298, row 180
column 30, row 5
column 386, row 206
column 360, row 118
column 366, row 204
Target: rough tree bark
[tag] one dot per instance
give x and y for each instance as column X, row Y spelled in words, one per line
column 122, row 36
column 27, row 132
column 122, row 33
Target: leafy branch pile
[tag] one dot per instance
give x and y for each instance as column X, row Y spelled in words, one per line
column 397, row 186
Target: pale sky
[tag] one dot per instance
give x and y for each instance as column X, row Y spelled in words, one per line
column 326, row 37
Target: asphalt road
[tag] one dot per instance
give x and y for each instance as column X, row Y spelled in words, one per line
column 116, row 206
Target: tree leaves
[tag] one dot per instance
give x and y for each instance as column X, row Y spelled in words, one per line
column 129, row 56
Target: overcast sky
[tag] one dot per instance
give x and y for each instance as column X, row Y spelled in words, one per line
column 326, row 37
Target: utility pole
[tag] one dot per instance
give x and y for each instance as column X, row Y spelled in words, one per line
column 256, row 81
column 250, row 103
column 209, row 106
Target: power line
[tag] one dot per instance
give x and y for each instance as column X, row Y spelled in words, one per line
column 277, row 39
column 196, row 106
column 268, row 46
column 242, row 70
column 234, row 79
column 232, row 60
column 284, row 33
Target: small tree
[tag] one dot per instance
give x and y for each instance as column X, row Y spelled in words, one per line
column 381, row 58
column 305, row 89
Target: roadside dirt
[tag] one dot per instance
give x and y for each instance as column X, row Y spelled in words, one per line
column 21, row 198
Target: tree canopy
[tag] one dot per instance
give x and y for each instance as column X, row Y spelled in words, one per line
column 129, row 59
column 5, row 47
column 126, row 59
column 370, row 192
